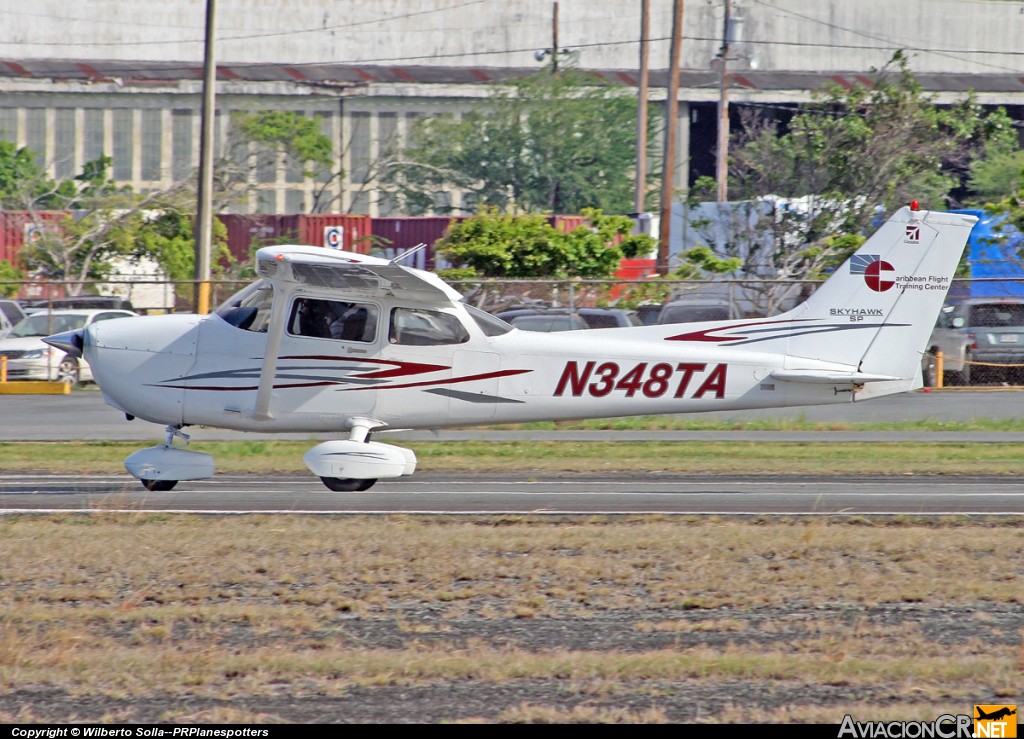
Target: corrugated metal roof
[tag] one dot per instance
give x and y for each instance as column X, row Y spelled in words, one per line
column 348, row 74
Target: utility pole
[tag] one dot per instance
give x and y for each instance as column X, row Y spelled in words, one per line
column 668, row 167
column 554, row 39
column 641, row 116
column 722, row 152
column 203, row 227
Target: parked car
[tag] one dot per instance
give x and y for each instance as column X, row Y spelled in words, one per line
column 30, row 358
column 561, row 319
column 993, row 331
column 547, row 322
column 87, row 302
column 648, row 313
column 954, row 344
column 695, row 310
column 10, row 313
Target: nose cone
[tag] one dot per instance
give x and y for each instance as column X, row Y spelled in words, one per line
column 70, row 341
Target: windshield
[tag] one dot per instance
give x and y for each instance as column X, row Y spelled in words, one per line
column 249, row 308
column 43, row 324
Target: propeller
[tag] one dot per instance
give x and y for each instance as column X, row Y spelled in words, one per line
column 70, row 341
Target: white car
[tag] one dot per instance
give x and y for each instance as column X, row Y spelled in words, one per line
column 10, row 313
column 30, row 358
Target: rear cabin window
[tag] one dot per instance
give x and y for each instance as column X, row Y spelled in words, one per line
column 420, row 327
column 333, row 319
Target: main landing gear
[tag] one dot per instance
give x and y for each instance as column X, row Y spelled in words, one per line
column 356, row 463
column 344, row 466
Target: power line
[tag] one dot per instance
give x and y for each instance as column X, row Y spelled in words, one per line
column 240, row 37
column 949, row 53
column 886, row 44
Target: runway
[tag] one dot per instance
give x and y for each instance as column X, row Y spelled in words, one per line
column 438, row 494
column 84, row 416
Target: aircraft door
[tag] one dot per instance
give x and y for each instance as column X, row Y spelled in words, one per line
column 474, row 400
column 327, row 348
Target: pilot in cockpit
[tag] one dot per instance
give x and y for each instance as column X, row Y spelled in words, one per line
column 349, row 323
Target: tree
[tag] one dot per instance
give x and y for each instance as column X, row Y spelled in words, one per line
column 527, row 246
column 9, row 277
column 846, row 159
column 105, row 221
column 99, row 223
column 550, row 142
column 998, row 175
column 167, row 236
column 258, row 142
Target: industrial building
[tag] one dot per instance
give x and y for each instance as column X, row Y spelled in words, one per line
column 124, row 77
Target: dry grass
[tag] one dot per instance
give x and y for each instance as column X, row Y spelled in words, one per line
column 243, row 610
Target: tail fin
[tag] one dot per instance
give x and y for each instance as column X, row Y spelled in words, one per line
column 870, row 321
column 876, row 312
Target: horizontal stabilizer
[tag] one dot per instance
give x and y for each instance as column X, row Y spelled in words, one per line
column 831, row 378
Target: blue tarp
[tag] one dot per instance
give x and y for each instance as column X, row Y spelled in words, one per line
column 992, row 254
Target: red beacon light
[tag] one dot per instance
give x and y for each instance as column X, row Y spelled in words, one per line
column 914, row 205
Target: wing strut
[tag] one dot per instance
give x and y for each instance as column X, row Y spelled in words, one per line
column 275, row 330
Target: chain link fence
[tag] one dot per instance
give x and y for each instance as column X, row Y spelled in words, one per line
column 986, row 347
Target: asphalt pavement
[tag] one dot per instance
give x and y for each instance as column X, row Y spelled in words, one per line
column 83, row 415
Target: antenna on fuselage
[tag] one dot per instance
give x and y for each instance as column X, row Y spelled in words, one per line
column 408, row 253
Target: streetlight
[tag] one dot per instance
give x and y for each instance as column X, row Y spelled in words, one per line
column 569, row 54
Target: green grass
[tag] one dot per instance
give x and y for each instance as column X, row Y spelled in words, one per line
column 795, row 423
column 900, row 457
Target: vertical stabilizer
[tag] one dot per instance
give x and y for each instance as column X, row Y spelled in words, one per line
column 876, row 312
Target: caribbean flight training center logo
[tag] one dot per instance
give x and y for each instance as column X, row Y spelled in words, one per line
column 986, row 722
column 878, row 274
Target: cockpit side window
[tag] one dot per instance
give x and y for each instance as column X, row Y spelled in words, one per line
column 249, row 308
column 333, row 319
column 422, row 327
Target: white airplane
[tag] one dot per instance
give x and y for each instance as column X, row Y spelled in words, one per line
column 331, row 341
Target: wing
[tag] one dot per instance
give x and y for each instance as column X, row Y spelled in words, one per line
column 361, row 274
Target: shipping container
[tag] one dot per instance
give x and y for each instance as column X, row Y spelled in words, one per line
column 636, row 269
column 16, row 226
column 567, row 224
column 247, row 232
column 346, row 232
column 395, row 235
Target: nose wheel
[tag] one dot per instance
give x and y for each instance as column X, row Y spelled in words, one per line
column 347, row 484
column 159, row 468
column 158, row 485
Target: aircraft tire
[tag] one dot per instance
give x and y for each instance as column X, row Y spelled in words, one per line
column 159, row 485
column 347, row 484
